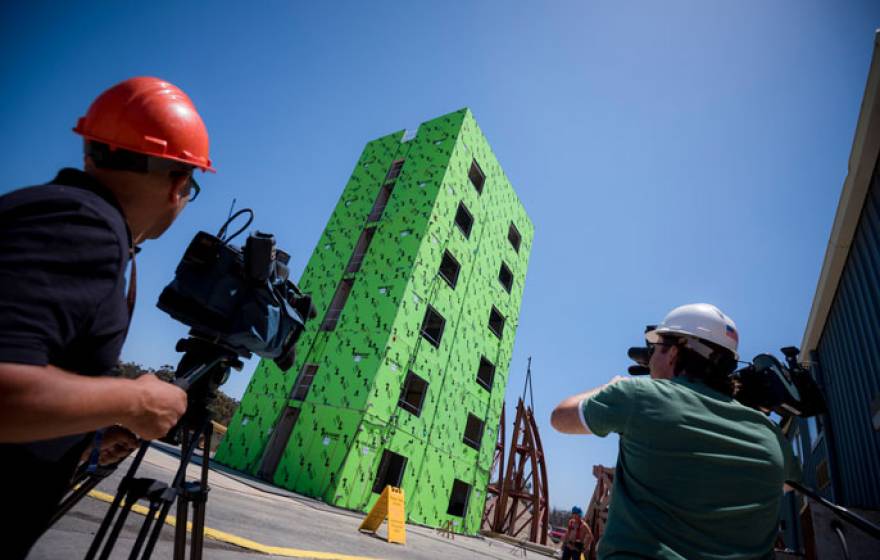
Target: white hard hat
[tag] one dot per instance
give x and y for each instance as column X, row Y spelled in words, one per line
column 702, row 321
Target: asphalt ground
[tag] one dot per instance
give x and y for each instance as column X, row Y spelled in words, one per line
column 248, row 519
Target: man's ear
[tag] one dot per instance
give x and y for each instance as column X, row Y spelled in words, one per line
column 674, row 353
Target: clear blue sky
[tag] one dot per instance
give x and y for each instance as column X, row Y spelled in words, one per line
column 667, row 152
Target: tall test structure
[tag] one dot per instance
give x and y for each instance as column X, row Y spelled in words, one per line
column 417, row 279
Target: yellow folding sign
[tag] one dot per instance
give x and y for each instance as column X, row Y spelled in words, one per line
column 390, row 506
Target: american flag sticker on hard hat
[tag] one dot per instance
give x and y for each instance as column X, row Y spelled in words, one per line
column 731, row 333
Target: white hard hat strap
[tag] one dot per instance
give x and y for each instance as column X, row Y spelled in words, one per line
column 698, row 347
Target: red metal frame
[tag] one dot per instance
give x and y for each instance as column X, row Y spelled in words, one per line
column 496, row 476
column 522, row 508
column 597, row 511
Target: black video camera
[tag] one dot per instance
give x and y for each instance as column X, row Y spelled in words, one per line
column 786, row 389
column 764, row 384
column 240, row 299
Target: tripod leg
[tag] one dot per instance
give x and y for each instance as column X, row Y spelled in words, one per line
column 145, row 530
column 185, row 458
column 114, row 507
column 180, row 528
column 198, row 530
column 74, row 497
column 201, row 499
column 182, row 514
column 117, row 527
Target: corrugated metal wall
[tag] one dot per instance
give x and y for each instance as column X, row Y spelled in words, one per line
column 849, row 356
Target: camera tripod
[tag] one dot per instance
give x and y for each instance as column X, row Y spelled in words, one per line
column 203, row 368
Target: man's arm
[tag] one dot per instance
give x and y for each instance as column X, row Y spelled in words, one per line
column 588, row 536
column 42, row 402
column 566, row 417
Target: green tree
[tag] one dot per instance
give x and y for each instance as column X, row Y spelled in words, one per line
column 222, row 408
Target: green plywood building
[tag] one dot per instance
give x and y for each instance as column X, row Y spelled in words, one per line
column 400, row 380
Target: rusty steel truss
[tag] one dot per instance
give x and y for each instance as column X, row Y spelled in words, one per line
column 496, row 477
column 597, row 511
column 520, row 507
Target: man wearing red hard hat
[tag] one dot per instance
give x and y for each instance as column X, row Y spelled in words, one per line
column 65, row 305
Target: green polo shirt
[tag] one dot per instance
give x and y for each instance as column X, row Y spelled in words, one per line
column 699, row 475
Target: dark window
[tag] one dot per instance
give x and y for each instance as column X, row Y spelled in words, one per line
column 514, row 237
column 486, row 373
column 390, row 471
column 278, row 443
column 360, row 250
column 505, row 277
column 473, row 432
column 395, row 170
column 337, row 304
column 304, row 381
column 412, row 396
column 432, row 326
column 458, row 500
column 381, row 203
column 478, row 179
column 464, row 220
column 449, row 268
column 496, row 322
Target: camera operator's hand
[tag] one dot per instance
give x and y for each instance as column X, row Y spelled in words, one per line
column 159, row 406
column 117, row 443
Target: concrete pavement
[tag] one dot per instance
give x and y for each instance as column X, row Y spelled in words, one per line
column 256, row 516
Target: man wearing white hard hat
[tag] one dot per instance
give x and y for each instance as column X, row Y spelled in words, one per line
column 699, row 475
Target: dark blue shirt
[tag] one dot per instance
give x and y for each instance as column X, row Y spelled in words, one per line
column 64, row 250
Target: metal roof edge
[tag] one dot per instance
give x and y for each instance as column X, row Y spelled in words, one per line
column 862, row 160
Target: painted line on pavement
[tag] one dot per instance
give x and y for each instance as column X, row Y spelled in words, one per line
column 241, row 541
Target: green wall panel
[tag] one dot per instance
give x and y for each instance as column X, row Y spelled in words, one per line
column 350, row 414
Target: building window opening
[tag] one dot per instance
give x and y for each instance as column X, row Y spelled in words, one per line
column 477, row 177
column 360, row 250
column 337, row 305
column 464, row 220
column 412, row 396
column 514, row 237
column 458, row 500
column 394, row 172
column 304, row 382
column 505, row 277
column 486, row 373
column 390, row 472
column 473, row 432
column 496, row 322
column 449, row 268
column 381, row 203
column 432, row 326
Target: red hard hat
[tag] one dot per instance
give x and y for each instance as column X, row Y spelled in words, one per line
column 148, row 116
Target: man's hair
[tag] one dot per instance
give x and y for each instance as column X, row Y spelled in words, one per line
column 714, row 371
column 120, row 159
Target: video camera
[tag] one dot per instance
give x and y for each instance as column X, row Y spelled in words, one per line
column 236, row 302
column 764, row 384
column 240, row 299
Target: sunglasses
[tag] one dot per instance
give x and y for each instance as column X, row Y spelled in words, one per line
column 653, row 345
column 194, row 189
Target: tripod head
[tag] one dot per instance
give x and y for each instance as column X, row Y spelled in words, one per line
column 202, row 369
